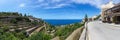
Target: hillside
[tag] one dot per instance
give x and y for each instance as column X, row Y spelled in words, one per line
column 18, row 26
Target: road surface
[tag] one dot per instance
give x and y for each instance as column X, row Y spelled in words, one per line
column 97, row 30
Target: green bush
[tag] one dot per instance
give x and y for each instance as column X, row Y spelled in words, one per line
column 40, row 36
column 10, row 14
column 8, row 36
column 13, row 21
column 20, row 35
column 65, row 31
column 5, row 28
column 97, row 17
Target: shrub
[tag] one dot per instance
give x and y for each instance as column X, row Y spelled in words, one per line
column 65, row 31
column 5, row 28
column 20, row 35
column 8, row 36
column 40, row 36
column 13, row 21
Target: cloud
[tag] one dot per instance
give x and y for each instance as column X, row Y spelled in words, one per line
column 116, row 1
column 56, row 6
column 57, row 0
column 96, row 3
column 52, row 4
column 22, row 5
column 41, row 0
column 48, row 4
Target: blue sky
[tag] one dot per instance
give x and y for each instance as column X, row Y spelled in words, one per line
column 54, row 9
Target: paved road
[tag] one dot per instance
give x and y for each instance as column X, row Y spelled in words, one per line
column 97, row 30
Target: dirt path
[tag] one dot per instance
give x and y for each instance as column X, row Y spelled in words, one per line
column 75, row 35
column 37, row 30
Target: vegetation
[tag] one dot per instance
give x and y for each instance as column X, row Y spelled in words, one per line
column 40, row 36
column 64, row 32
column 8, row 36
column 14, row 24
column 21, row 36
column 13, row 21
column 11, row 35
column 86, row 18
column 97, row 17
column 10, row 14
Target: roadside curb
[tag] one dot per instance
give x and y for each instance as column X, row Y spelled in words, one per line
column 75, row 35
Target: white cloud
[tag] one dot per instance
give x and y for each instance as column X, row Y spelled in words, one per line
column 51, row 4
column 41, row 0
column 57, row 0
column 96, row 3
column 56, row 6
column 22, row 5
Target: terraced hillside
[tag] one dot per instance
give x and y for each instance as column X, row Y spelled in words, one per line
column 15, row 22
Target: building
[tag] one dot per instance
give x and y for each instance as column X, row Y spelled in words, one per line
column 111, row 12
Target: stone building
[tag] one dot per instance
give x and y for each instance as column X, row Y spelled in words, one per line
column 111, row 12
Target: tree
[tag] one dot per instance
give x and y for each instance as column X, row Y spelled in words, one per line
column 25, row 15
column 86, row 18
column 20, row 14
column 97, row 17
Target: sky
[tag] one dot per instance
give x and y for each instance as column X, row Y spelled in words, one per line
column 55, row 9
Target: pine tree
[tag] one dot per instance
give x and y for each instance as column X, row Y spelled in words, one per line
column 25, row 15
column 86, row 18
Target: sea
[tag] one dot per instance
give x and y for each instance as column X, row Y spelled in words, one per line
column 57, row 22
